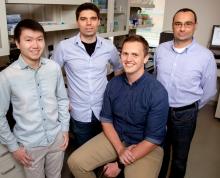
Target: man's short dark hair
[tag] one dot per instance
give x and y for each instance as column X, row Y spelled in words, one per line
column 138, row 38
column 186, row 10
column 27, row 24
column 87, row 6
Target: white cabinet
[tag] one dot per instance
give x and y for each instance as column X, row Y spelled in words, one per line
column 9, row 168
column 54, row 15
column 4, row 46
column 58, row 18
column 70, row 2
column 59, row 15
column 114, row 17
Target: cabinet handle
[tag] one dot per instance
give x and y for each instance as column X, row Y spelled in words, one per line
column 4, row 153
column 7, row 171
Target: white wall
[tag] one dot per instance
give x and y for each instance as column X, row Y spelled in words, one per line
column 208, row 13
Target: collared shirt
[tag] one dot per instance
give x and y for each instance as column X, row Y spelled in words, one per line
column 139, row 111
column 188, row 76
column 39, row 100
column 86, row 75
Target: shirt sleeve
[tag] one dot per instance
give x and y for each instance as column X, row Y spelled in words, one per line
column 106, row 112
column 115, row 59
column 208, row 82
column 155, row 130
column 58, row 54
column 6, row 136
column 155, row 63
column 63, row 102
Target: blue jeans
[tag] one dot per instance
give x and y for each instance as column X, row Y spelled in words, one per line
column 180, row 130
column 84, row 131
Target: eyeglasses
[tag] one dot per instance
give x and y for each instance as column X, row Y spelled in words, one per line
column 186, row 24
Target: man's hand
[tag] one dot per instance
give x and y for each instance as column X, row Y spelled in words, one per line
column 111, row 170
column 126, row 156
column 22, row 156
column 65, row 141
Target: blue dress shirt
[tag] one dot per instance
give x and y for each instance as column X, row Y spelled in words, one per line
column 86, row 75
column 188, row 76
column 40, row 104
column 139, row 111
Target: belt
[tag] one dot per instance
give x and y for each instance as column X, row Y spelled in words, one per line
column 182, row 108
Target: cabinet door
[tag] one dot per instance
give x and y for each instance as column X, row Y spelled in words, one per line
column 4, row 46
column 142, row 20
column 114, row 17
column 120, row 17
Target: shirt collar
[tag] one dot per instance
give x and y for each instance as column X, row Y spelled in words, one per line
column 24, row 65
column 187, row 48
column 79, row 42
column 137, row 81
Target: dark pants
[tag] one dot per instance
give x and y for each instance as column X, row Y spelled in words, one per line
column 83, row 131
column 180, row 130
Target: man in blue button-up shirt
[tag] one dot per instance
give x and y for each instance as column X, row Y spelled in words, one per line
column 188, row 72
column 133, row 116
column 85, row 58
column 34, row 85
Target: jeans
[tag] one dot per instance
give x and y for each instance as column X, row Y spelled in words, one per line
column 84, row 131
column 180, row 130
